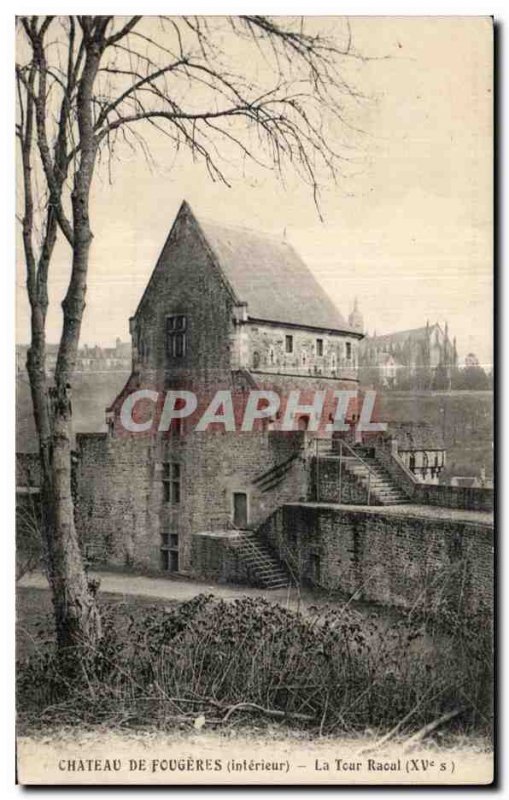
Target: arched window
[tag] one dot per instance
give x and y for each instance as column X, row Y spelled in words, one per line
column 256, row 359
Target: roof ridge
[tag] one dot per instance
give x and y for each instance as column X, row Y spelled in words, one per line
column 260, row 269
column 243, row 229
column 406, row 330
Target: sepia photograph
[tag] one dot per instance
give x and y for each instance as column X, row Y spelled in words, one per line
column 254, row 400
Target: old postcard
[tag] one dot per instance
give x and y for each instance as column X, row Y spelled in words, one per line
column 254, row 368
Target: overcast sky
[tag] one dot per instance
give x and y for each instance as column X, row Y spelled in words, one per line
column 408, row 231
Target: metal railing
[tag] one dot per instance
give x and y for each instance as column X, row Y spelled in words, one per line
column 353, row 456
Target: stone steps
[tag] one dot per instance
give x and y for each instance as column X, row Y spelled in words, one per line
column 267, row 571
column 382, row 487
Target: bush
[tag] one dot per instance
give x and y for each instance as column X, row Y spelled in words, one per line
column 339, row 670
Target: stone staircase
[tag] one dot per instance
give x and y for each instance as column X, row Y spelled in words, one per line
column 383, row 490
column 266, row 570
column 360, row 463
column 275, row 475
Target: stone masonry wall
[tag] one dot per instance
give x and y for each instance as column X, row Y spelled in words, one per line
column 121, row 508
column 324, row 484
column 462, row 497
column 186, row 282
column 392, row 559
column 215, row 556
column 267, row 351
column 116, row 509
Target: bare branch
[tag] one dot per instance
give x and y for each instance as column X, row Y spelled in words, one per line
column 122, row 33
column 39, row 100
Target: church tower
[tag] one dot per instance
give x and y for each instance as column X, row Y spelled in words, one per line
column 355, row 319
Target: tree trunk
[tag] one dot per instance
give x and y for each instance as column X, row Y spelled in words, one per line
column 76, row 618
column 76, row 615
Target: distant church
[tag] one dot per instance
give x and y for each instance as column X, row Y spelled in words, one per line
column 419, row 358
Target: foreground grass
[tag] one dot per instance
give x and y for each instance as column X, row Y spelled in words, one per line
column 339, row 671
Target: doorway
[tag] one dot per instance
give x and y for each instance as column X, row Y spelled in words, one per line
column 240, row 516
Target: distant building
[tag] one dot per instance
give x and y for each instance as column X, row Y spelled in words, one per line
column 422, row 450
column 90, row 359
column 471, row 360
column 355, row 318
column 419, row 358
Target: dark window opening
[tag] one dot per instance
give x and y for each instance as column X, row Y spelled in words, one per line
column 289, row 344
column 319, row 347
column 171, row 483
column 240, row 509
column 166, row 492
column 303, row 423
column 256, row 359
column 170, row 560
column 176, row 327
column 348, row 350
column 170, row 552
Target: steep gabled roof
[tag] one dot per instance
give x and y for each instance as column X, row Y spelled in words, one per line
column 268, row 275
column 415, row 334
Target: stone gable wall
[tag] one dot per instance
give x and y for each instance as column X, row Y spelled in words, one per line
column 185, row 282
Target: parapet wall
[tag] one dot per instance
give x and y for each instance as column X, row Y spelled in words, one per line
column 395, row 559
column 468, row 497
column 461, row 497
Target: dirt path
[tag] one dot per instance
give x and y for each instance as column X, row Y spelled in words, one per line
column 183, row 589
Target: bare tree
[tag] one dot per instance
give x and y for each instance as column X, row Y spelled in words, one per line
column 88, row 85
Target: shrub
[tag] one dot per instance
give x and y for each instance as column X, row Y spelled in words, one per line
column 338, row 670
